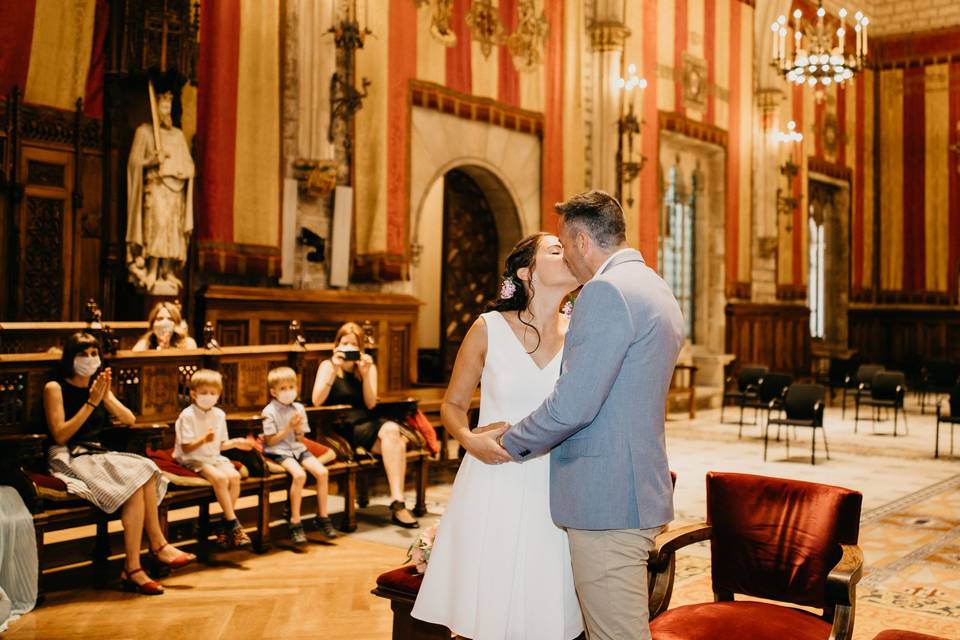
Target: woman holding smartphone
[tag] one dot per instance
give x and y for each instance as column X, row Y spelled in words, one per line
column 350, row 377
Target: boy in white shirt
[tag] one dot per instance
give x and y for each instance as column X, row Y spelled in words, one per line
column 284, row 424
column 201, row 436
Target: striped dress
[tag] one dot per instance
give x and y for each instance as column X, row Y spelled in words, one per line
column 105, row 478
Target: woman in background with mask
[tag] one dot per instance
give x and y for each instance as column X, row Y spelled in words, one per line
column 350, row 377
column 78, row 403
column 167, row 330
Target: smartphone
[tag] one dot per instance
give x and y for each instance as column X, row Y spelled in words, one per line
column 351, row 355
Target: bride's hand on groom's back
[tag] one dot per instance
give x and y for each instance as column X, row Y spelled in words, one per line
column 483, row 446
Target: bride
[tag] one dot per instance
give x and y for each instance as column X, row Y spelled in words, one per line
column 499, row 568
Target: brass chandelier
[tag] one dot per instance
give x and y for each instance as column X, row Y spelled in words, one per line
column 819, row 56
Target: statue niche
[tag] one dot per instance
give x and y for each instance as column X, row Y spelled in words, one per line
column 160, row 175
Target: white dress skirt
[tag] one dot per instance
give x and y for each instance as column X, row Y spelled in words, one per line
column 500, row 568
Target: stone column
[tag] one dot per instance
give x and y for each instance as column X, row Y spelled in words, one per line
column 767, row 160
column 309, row 62
column 607, row 35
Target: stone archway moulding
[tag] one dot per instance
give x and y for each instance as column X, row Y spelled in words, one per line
column 440, row 142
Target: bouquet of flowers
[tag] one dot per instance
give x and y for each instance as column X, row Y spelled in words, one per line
column 419, row 551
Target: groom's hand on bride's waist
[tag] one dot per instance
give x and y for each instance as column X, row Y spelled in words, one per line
column 484, row 443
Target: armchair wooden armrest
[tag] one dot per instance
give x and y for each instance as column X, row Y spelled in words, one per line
column 843, row 578
column 842, row 591
column 661, row 564
column 669, row 542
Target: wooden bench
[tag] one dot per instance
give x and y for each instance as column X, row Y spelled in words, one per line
column 154, row 385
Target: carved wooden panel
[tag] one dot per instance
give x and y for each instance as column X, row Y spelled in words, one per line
column 185, row 372
column 274, row 332
column 230, row 384
column 399, row 344
column 252, row 382
column 127, row 387
column 777, row 336
column 470, row 269
column 247, row 310
column 232, row 333
column 43, row 259
column 162, row 391
column 45, row 174
column 902, row 337
column 13, row 401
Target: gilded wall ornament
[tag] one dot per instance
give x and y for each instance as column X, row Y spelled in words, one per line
column 527, row 42
column 485, row 26
column 694, row 82
column 440, row 23
column 830, row 135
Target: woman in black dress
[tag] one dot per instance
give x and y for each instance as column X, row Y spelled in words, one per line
column 78, row 403
column 350, row 377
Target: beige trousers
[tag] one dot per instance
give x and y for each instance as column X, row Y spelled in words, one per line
column 610, row 574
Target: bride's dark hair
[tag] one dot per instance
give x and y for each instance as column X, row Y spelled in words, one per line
column 523, row 255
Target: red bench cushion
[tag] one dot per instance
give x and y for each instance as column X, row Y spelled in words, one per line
column 404, row 579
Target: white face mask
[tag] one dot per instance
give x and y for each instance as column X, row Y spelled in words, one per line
column 86, row 366
column 287, row 396
column 163, row 328
column 206, row 400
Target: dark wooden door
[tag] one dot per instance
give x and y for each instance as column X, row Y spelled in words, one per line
column 470, row 264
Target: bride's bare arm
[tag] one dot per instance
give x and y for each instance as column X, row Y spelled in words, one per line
column 463, row 382
column 456, row 402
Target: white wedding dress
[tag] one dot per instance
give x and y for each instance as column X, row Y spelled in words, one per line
column 500, row 569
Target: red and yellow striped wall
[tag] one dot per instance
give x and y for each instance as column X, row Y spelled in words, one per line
column 238, row 138
column 52, row 51
column 720, row 33
column 905, row 189
column 404, row 50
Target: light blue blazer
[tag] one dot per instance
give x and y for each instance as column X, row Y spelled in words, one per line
column 604, row 420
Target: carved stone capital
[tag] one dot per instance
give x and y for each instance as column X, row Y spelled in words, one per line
column 608, row 36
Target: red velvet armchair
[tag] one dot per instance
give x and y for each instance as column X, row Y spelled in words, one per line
column 777, row 539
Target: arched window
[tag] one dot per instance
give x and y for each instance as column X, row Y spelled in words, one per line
column 819, row 202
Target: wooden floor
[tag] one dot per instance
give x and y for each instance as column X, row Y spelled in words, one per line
column 322, row 592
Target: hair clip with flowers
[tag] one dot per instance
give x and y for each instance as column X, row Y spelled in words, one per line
column 507, row 289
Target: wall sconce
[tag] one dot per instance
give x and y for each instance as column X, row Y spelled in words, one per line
column 345, row 98
column 787, row 204
column 628, row 126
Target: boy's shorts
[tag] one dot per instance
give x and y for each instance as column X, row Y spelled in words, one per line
column 220, row 463
column 280, row 457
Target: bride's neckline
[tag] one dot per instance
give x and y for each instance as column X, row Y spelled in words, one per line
column 519, row 342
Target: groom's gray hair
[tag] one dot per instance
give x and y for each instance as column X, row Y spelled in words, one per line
column 598, row 214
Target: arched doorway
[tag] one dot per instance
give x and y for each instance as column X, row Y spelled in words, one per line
column 467, row 225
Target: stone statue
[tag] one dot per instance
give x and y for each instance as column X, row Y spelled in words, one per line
column 159, row 201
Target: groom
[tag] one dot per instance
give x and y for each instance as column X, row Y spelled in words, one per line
column 610, row 483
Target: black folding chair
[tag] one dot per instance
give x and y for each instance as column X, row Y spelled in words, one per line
column 937, row 377
column 952, row 419
column 887, row 391
column 803, row 407
column 770, row 390
column 746, row 388
column 859, row 384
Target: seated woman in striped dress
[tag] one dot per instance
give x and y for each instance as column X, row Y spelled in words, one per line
column 76, row 403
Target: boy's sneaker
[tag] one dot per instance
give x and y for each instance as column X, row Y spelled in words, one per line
column 297, row 536
column 224, row 538
column 239, row 538
column 325, row 526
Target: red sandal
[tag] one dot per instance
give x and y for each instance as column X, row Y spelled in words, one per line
column 179, row 562
column 148, row 588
